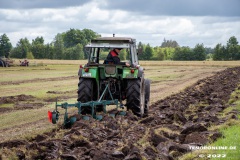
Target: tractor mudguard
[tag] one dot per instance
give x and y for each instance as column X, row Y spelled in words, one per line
column 140, row 72
column 90, row 72
column 130, row 73
column 80, row 72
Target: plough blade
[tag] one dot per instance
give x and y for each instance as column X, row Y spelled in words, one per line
column 54, row 115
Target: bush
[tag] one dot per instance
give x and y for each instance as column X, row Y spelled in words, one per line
column 30, row 55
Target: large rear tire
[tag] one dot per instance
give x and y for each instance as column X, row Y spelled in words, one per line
column 2, row 63
column 86, row 93
column 136, row 96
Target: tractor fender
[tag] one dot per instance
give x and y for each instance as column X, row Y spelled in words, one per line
column 80, row 72
column 140, row 71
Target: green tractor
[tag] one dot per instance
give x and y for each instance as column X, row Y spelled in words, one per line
column 102, row 84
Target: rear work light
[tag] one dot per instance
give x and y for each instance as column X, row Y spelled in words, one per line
column 50, row 116
column 132, row 71
column 86, row 69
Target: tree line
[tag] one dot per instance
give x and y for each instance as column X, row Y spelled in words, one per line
column 66, row 45
column 172, row 51
column 70, row 45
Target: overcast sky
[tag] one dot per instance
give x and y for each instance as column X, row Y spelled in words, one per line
column 150, row 21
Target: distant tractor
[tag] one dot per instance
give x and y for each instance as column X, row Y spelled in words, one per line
column 5, row 62
column 24, row 62
column 102, row 84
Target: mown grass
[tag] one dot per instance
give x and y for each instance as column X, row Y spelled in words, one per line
column 37, row 80
column 38, row 89
column 10, row 105
column 20, row 117
column 15, row 74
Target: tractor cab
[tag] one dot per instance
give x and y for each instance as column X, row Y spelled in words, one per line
column 105, row 44
column 99, row 68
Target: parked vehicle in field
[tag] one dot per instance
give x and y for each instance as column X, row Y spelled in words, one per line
column 24, row 62
column 6, row 62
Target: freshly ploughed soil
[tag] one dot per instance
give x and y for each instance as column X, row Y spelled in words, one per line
column 173, row 124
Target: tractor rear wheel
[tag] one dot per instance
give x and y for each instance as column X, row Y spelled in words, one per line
column 86, row 93
column 2, row 63
column 136, row 96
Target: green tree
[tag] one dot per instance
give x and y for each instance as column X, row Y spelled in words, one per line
column 209, row 56
column 232, row 41
column 38, row 40
column 182, row 54
column 30, row 55
column 75, row 36
column 148, row 52
column 141, row 47
column 199, row 53
column 22, row 48
column 38, row 48
column 232, row 48
column 5, row 45
column 219, row 53
column 74, row 53
column 58, row 47
column 89, row 35
column 169, row 43
column 68, row 52
column 160, row 54
column 79, row 51
column 72, row 37
column 209, row 50
column 168, row 53
column 49, row 51
column 155, row 53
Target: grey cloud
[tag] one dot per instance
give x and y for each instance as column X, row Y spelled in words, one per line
column 212, row 20
column 179, row 7
column 142, row 20
column 30, row 4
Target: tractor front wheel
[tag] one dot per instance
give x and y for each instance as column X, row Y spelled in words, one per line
column 136, row 96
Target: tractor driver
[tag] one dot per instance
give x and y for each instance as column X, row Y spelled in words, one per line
column 113, row 57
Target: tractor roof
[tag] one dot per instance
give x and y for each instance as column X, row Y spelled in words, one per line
column 112, row 42
column 124, row 39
